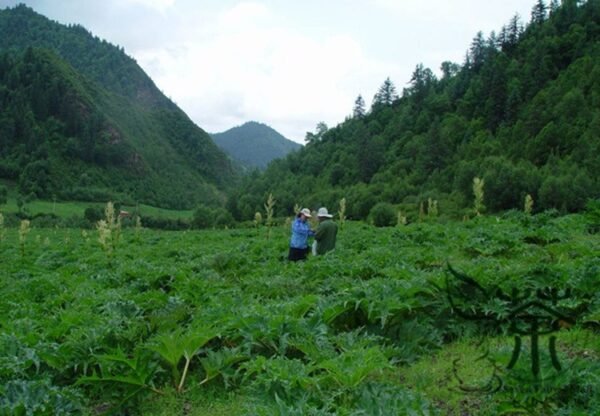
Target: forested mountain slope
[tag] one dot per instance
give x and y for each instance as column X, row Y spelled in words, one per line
column 522, row 113
column 79, row 119
column 254, row 144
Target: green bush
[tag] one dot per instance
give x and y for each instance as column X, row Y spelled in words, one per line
column 223, row 218
column 567, row 193
column 164, row 223
column 46, row 221
column 3, row 194
column 93, row 214
column 35, row 179
column 592, row 215
column 89, row 194
column 507, row 183
column 383, row 215
column 204, row 217
column 361, row 200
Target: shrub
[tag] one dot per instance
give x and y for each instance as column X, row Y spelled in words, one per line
column 3, row 194
column 592, row 215
column 360, row 200
column 507, row 183
column 383, row 215
column 12, row 219
column 203, row 217
column 46, row 221
column 93, row 214
column 165, row 223
column 90, row 194
column 35, row 179
column 568, row 192
column 223, row 218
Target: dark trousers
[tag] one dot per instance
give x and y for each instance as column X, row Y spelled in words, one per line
column 296, row 254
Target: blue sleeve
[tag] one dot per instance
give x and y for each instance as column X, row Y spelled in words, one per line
column 302, row 228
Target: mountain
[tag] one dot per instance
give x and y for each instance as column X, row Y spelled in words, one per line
column 79, row 119
column 522, row 112
column 254, row 144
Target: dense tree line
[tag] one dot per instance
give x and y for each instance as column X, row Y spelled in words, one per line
column 521, row 112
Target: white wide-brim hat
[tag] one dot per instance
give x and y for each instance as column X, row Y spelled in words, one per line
column 324, row 213
column 306, row 212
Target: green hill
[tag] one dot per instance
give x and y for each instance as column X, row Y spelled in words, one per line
column 254, row 144
column 522, row 113
column 79, row 119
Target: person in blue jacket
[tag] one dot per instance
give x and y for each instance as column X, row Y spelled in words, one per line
column 300, row 233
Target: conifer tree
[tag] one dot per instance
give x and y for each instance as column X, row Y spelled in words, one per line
column 422, row 78
column 538, row 12
column 318, row 134
column 386, row 94
column 359, row 107
column 492, row 41
column 513, row 33
column 477, row 51
column 449, row 69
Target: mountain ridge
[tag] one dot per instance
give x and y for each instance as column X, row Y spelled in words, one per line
column 104, row 131
column 254, row 144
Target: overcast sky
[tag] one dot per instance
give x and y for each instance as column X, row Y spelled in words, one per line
column 286, row 63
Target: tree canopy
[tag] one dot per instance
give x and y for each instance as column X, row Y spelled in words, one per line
column 521, row 112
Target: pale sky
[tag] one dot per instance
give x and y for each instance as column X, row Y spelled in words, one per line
column 289, row 64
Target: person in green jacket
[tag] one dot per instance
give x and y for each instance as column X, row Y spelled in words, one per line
column 326, row 232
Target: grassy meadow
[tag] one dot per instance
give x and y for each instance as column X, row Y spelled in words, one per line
column 217, row 322
column 69, row 209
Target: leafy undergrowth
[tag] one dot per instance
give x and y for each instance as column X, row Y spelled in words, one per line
column 218, row 322
column 469, row 377
column 198, row 400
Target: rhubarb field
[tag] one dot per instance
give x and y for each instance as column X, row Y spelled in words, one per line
column 421, row 319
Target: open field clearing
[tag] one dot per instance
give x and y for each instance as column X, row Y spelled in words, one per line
column 217, row 322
